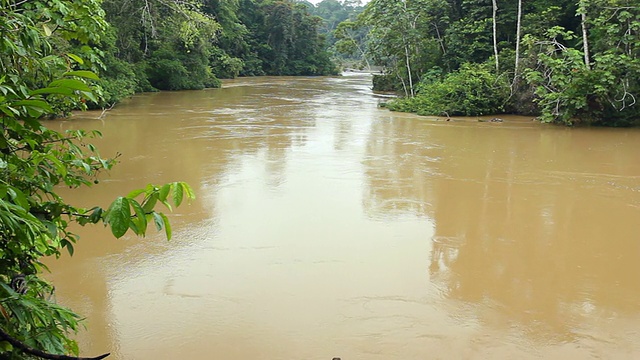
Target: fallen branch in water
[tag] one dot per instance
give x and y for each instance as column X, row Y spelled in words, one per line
column 104, row 111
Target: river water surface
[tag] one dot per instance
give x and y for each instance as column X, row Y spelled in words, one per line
column 327, row 227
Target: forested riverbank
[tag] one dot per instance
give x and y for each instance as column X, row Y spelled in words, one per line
column 139, row 46
column 177, row 45
column 568, row 61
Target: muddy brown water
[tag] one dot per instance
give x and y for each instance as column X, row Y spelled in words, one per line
column 328, row 227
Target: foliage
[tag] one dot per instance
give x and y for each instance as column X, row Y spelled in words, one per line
column 349, row 41
column 404, row 36
column 589, row 79
column 603, row 92
column 168, row 70
column 287, row 39
column 225, row 66
column 385, row 83
column 468, row 42
column 471, row 90
column 35, row 161
column 334, row 14
column 175, row 45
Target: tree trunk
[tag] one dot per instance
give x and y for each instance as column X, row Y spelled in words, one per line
column 440, row 39
column 495, row 34
column 408, row 63
column 585, row 38
column 518, row 36
column 407, row 52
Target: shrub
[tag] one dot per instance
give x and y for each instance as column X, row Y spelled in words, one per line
column 472, row 90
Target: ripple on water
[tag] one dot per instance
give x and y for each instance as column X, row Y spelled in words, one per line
column 255, row 120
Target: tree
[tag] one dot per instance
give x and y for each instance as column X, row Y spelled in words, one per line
column 469, row 38
column 169, row 42
column 402, row 36
column 333, row 12
column 600, row 88
column 349, row 40
column 36, row 76
column 286, row 38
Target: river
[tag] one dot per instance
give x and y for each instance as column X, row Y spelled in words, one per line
column 326, row 227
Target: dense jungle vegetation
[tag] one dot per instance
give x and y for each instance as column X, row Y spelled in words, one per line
column 569, row 61
column 176, row 45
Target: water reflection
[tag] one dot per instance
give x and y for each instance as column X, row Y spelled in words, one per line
column 534, row 227
column 548, row 250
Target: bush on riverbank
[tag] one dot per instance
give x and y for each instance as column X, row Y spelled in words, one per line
column 472, row 90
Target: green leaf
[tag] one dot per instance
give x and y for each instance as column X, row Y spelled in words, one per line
column 51, row 228
column 164, row 192
column 187, row 189
column 9, row 111
column 18, row 197
column 47, row 30
column 34, row 103
column 150, row 203
column 133, row 225
column 66, row 243
column 158, row 220
column 135, row 193
column 96, row 215
column 141, row 217
column 89, row 95
column 118, row 216
column 167, row 226
column 52, row 90
column 60, row 167
column 177, row 193
column 5, row 346
column 76, row 58
column 73, row 84
column 83, row 74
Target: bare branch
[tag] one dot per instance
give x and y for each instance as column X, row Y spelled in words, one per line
column 41, row 354
column 104, row 111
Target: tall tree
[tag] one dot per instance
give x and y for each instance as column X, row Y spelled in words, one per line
column 516, row 62
column 401, row 35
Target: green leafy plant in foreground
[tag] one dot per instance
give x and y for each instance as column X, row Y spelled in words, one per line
column 35, row 161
